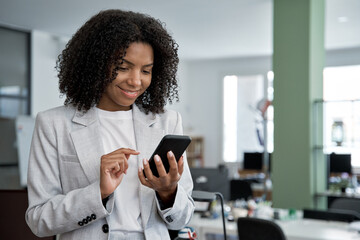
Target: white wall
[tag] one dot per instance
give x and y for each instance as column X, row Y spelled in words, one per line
column 181, row 106
column 204, row 97
column 45, row 49
column 341, row 57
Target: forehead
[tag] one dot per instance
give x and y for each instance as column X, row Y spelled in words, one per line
column 140, row 50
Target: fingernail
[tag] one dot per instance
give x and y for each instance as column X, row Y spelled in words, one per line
column 157, row 158
column 144, row 161
column 171, row 154
column 140, row 169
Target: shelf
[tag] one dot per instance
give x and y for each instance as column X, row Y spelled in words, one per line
column 195, row 152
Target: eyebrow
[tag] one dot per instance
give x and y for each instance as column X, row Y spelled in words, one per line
column 132, row 64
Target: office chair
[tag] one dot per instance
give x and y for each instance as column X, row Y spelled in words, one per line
column 240, row 189
column 173, row 234
column 346, row 204
column 258, row 229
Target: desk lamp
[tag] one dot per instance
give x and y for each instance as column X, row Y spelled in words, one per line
column 202, row 196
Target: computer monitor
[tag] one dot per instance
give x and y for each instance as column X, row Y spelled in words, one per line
column 340, row 163
column 253, row 160
column 211, row 180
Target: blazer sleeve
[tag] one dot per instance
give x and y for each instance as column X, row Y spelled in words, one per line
column 51, row 212
column 182, row 210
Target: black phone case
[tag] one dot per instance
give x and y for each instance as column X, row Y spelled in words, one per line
column 175, row 143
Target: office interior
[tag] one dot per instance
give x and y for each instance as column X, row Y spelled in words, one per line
column 282, row 117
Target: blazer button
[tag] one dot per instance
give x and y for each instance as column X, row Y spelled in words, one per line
column 85, row 221
column 93, row 216
column 80, row 223
column 105, row 228
column 89, row 219
column 169, row 219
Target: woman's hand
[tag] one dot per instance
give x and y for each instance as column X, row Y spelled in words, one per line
column 112, row 169
column 166, row 184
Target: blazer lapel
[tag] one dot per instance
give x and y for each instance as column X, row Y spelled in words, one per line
column 88, row 143
column 89, row 148
column 147, row 138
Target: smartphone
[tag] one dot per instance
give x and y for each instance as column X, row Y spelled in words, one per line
column 175, row 143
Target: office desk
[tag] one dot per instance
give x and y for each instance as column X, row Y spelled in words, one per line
column 351, row 194
column 311, row 229
column 331, row 196
column 301, row 229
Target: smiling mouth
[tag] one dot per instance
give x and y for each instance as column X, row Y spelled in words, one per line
column 131, row 94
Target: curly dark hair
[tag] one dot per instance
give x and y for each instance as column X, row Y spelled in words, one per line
column 84, row 65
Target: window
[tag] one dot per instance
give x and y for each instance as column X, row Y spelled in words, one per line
column 14, row 99
column 243, row 123
column 230, row 118
column 342, row 111
column 14, row 73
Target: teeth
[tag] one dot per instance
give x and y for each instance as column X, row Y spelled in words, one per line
column 128, row 92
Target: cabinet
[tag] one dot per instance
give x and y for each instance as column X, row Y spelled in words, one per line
column 195, row 152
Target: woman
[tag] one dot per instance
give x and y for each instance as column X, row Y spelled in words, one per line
column 85, row 178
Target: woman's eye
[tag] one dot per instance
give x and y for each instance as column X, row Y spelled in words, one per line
column 147, row 71
column 123, row 69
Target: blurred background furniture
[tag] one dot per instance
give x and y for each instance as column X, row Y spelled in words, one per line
column 258, row 229
column 297, row 228
column 211, row 180
column 352, row 204
column 195, row 152
column 13, row 205
column 332, row 215
column 203, row 196
column 240, row 189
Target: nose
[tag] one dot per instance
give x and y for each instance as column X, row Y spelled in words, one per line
column 135, row 78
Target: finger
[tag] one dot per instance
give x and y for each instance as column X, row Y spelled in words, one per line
column 113, row 157
column 119, row 174
column 160, row 166
column 118, row 157
column 126, row 166
column 181, row 165
column 124, row 151
column 147, row 170
column 116, row 167
column 172, row 162
column 112, row 168
column 122, row 165
column 128, row 151
column 142, row 178
column 128, row 155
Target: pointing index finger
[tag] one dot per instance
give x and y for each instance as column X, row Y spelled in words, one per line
column 128, row 152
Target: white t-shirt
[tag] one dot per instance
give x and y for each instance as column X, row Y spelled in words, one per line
column 117, row 131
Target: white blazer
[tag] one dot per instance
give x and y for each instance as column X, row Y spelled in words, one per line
column 64, row 171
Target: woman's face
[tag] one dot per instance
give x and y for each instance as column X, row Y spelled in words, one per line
column 133, row 78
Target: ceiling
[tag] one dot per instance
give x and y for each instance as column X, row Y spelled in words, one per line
column 203, row 28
